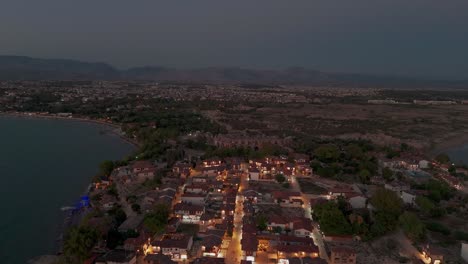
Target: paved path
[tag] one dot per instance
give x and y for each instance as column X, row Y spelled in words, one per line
column 234, row 252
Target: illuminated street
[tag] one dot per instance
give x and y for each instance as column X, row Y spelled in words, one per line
column 316, row 234
column 234, row 253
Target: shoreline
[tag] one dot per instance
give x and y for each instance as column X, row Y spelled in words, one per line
column 448, row 143
column 70, row 217
column 111, row 125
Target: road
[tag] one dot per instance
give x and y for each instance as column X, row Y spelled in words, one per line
column 234, row 252
column 316, row 234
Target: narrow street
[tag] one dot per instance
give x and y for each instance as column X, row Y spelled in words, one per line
column 318, row 241
column 234, row 253
column 316, row 234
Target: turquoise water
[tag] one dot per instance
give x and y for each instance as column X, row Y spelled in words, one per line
column 44, row 165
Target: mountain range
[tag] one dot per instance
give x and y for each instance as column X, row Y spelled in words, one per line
column 27, row 68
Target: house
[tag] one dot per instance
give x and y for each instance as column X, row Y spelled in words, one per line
column 158, row 259
column 173, row 224
column 197, row 188
column 295, row 241
column 408, row 197
column 175, row 246
column 200, row 180
column 108, row 201
column 117, row 256
column 212, row 162
column 182, row 169
column 357, row 201
column 251, row 196
column 254, row 174
column 208, row 260
column 341, row 190
column 142, row 165
column 193, row 198
column 302, row 227
column 464, row 251
column 235, row 163
column 343, row 239
column 288, row 251
column 303, row 169
column 301, row 158
column 135, row 243
column 142, row 176
column 397, row 187
column 213, row 170
column 122, row 173
column 131, row 223
column 309, row 260
column 249, row 246
column 249, row 228
column 424, row 164
column 143, row 170
column 211, row 245
column 207, row 220
column 189, row 213
column 288, row 199
column 276, row 222
column 343, row 255
column 228, row 209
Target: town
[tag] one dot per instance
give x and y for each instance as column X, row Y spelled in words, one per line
column 222, row 175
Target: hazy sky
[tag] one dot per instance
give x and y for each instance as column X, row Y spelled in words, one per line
column 408, row 37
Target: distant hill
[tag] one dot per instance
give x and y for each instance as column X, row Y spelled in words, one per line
column 26, row 68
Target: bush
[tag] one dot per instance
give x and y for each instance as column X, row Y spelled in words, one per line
column 437, row 227
column 460, row 235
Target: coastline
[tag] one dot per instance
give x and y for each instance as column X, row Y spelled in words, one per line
column 450, row 142
column 111, row 125
column 74, row 216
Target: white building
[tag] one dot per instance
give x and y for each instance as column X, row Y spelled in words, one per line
column 464, row 251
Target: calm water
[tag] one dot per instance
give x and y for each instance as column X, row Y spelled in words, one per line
column 459, row 155
column 44, row 165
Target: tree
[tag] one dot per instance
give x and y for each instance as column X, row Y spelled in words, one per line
column 452, row 170
column 364, row 176
column 136, row 208
column 277, row 230
column 331, row 219
column 280, row 178
column 387, row 206
column 262, row 222
column 106, row 167
column 78, row 243
column 327, row 153
column 157, row 220
column 119, row 215
column 424, row 204
column 442, row 158
column 114, row 238
column 355, row 151
column 438, row 190
column 404, row 147
column 387, row 174
column 391, row 153
column 412, row 226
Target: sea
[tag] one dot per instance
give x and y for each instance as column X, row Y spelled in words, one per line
column 46, row 164
column 459, row 154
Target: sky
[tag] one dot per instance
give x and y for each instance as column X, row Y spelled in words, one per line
column 419, row 38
